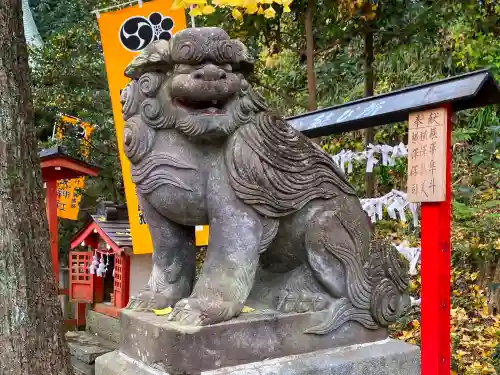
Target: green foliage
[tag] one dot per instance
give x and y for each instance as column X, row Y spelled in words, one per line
column 69, row 78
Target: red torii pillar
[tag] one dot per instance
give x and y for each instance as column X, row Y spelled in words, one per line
column 57, row 165
column 436, row 272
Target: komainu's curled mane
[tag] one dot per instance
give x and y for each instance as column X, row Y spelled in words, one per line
column 277, row 170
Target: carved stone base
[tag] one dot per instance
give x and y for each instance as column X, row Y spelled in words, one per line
column 387, row 357
column 251, row 337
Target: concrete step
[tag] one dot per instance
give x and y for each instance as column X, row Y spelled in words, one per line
column 103, row 325
column 86, row 347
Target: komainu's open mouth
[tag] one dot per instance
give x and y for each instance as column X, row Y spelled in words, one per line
column 210, row 107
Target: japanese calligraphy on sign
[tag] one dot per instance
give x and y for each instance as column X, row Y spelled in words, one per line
column 69, row 197
column 427, row 156
column 69, row 191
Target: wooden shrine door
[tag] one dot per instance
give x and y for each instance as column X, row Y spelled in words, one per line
column 121, row 280
column 81, row 281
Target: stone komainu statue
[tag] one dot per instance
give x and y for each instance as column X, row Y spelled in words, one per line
column 286, row 228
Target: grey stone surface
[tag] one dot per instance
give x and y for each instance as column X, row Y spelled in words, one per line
column 86, row 347
column 103, row 325
column 388, row 357
column 115, row 363
column 251, row 337
column 285, row 224
column 81, row 368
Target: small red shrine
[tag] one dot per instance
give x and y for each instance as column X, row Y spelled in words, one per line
column 100, row 269
column 57, row 165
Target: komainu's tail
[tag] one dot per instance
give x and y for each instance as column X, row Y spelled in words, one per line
column 373, row 291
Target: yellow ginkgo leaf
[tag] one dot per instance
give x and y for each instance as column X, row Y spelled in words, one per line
column 208, row 9
column 177, row 4
column 237, row 14
column 247, row 309
column 164, row 311
column 269, row 12
column 252, row 8
column 195, row 11
column 235, row 3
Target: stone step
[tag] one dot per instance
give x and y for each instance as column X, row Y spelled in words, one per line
column 103, row 325
column 82, row 368
column 387, row 357
column 86, row 347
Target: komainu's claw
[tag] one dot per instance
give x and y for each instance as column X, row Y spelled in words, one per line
column 149, row 301
column 195, row 312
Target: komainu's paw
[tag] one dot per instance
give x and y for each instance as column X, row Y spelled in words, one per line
column 197, row 312
column 148, row 301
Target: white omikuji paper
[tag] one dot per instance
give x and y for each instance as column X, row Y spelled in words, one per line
column 371, row 156
column 396, row 205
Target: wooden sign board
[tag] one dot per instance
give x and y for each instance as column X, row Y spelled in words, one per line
column 427, row 155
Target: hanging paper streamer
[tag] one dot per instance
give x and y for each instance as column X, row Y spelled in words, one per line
column 412, row 254
column 396, row 205
column 372, row 156
column 102, row 267
column 415, row 302
column 94, row 265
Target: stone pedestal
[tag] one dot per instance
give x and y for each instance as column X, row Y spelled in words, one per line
column 387, row 357
column 252, row 343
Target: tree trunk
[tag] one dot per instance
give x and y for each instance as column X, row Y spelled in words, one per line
column 311, row 78
column 31, row 335
column 369, row 88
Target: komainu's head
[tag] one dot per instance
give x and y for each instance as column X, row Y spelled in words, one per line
column 195, row 83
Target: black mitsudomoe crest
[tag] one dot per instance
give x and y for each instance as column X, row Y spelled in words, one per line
column 137, row 32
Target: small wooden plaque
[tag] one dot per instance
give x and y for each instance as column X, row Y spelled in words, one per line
column 427, row 132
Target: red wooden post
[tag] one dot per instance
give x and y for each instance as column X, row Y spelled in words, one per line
column 81, row 314
column 435, row 276
column 122, row 280
column 52, row 219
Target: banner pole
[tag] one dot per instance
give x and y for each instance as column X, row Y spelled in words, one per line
column 193, row 24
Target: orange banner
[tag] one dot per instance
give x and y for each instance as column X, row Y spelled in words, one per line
column 69, row 191
column 124, row 34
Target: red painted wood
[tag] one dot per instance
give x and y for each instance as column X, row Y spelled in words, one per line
column 435, row 277
column 108, row 310
column 122, row 280
column 81, row 310
column 98, row 289
column 53, row 232
column 81, row 282
column 60, row 168
column 87, row 232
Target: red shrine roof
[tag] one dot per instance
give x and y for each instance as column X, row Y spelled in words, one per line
column 57, row 165
column 110, row 224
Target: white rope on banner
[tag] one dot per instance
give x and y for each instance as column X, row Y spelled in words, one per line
column 388, row 154
column 98, row 12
